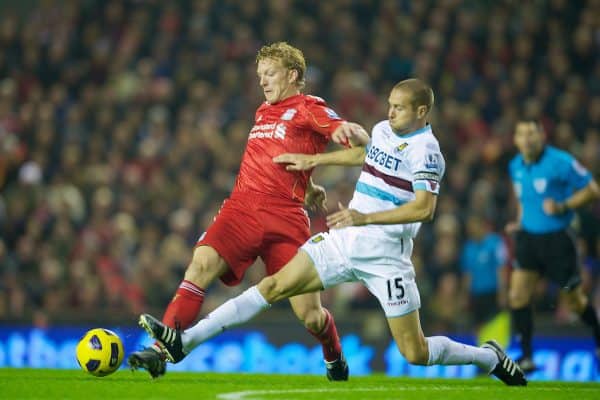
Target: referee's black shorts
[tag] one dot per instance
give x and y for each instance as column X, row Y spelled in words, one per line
column 553, row 255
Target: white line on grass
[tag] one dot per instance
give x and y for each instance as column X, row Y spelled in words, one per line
column 251, row 394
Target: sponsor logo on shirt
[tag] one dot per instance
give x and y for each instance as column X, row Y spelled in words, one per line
column 382, row 158
column 280, row 131
column 268, row 131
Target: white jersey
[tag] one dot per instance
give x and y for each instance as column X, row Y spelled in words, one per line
column 379, row 255
column 395, row 166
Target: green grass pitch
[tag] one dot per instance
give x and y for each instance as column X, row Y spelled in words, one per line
column 70, row 384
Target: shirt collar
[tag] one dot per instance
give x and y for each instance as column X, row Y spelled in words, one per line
column 425, row 129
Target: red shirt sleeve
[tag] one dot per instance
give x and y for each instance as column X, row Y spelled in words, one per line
column 323, row 119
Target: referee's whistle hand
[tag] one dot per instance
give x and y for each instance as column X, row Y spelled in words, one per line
column 551, row 207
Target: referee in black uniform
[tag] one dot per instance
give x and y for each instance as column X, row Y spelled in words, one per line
column 549, row 184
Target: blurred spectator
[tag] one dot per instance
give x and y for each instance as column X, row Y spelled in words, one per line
column 482, row 261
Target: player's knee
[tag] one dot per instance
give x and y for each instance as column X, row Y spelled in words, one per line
column 202, row 270
column 271, row 289
column 416, row 355
column 313, row 318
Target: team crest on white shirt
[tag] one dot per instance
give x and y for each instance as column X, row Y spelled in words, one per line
column 540, row 185
column 401, row 147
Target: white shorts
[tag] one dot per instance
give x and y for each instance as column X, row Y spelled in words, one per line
column 337, row 261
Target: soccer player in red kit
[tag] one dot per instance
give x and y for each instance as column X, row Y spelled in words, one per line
column 264, row 216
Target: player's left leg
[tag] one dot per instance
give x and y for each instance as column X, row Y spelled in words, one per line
column 441, row 350
column 307, row 307
column 320, row 323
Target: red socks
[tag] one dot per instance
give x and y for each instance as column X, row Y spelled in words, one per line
column 330, row 341
column 185, row 306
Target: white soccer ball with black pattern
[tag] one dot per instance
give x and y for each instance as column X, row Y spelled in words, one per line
column 100, row 352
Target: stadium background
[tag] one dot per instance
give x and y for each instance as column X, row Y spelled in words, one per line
column 122, row 124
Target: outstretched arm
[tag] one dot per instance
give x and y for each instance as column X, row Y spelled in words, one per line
column 354, row 156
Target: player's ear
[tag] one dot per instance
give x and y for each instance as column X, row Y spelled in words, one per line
column 421, row 111
column 292, row 76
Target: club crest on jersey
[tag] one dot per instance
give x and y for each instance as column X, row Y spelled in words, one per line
column 317, row 239
column 401, row 147
column 540, row 185
column 288, row 114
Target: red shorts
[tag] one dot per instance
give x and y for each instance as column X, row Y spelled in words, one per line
column 251, row 226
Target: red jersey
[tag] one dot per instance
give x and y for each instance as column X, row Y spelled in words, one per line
column 298, row 124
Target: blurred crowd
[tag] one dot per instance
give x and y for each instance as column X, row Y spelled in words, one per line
column 122, row 125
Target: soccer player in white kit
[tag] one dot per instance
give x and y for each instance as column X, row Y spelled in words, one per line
column 371, row 241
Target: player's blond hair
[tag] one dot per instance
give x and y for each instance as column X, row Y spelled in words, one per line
column 289, row 56
column 422, row 94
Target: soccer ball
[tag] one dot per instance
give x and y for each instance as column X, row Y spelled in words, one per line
column 100, row 352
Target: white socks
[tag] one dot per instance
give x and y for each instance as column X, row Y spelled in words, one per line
column 444, row 351
column 233, row 312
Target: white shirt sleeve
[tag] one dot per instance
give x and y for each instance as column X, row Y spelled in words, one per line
column 427, row 165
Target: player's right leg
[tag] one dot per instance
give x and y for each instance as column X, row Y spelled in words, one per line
column 235, row 235
column 522, row 284
column 205, row 267
column 320, row 323
column 297, row 277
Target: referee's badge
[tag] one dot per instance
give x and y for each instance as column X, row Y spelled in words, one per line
column 540, row 185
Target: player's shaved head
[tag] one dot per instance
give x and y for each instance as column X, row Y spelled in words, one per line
column 422, row 94
column 290, row 57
